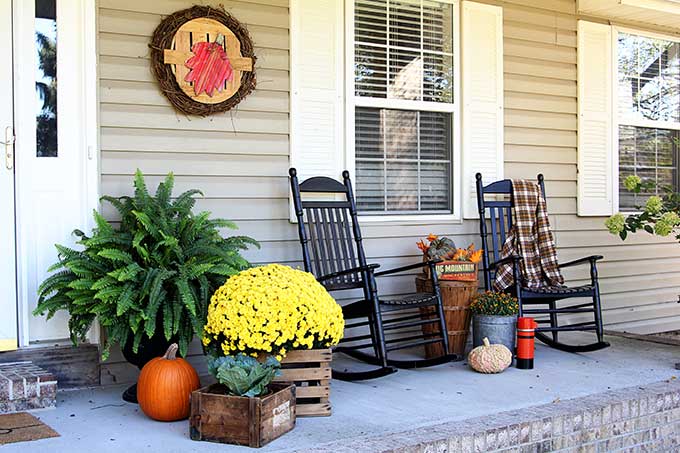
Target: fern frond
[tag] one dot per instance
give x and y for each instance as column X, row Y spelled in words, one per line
column 167, row 321
column 164, row 191
column 108, row 294
column 223, row 223
column 241, row 242
column 125, row 300
column 103, row 225
column 185, row 295
column 185, row 202
column 103, row 282
column 141, row 192
column 120, row 203
column 144, row 219
column 116, row 255
column 66, row 253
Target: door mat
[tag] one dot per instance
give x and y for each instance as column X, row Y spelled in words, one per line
column 22, row 427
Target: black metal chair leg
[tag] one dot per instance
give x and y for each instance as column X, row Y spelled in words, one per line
column 404, row 364
column 596, row 302
column 571, row 348
column 378, row 325
column 553, row 320
column 363, row 375
column 374, row 338
column 443, row 330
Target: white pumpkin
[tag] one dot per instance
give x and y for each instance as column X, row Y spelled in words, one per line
column 490, row 358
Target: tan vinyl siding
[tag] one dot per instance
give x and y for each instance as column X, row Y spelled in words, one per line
column 638, row 278
column 240, row 159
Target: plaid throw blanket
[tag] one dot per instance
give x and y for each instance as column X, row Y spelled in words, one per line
column 530, row 237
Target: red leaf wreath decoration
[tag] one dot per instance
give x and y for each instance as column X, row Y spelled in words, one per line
column 210, row 67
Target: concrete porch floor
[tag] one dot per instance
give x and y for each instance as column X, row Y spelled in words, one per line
column 98, row 420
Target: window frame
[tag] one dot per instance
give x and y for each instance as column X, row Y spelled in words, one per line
column 352, row 101
column 635, row 122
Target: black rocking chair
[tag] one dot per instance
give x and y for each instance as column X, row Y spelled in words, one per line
column 540, row 303
column 332, row 250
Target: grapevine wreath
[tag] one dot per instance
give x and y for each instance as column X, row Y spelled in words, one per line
column 203, row 60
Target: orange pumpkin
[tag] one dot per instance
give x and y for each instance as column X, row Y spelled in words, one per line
column 165, row 385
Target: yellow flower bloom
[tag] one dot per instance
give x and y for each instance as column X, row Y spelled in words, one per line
column 272, row 309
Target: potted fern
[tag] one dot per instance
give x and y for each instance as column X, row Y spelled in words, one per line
column 148, row 279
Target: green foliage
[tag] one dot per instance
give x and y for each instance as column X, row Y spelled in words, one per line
column 156, row 270
column 244, row 375
column 494, row 303
column 659, row 215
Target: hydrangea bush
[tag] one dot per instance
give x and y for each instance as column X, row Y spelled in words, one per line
column 658, row 216
column 270, row 310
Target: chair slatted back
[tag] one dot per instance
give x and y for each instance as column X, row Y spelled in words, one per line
column 496, row 215
column 329, row 231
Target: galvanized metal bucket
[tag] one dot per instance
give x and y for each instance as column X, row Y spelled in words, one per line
column 498, row 329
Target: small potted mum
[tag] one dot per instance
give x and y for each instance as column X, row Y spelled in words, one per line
column 244, row 407
column 494, row 316
column 284, row 313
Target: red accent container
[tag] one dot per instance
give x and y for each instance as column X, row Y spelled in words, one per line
column 525, row 343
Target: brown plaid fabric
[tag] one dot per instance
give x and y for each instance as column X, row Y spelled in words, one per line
column 530, row 237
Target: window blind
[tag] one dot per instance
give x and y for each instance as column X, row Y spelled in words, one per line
column 404, row 94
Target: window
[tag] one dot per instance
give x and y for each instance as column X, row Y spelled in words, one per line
column 648, row 101
column 403, row 106
column 46, row 77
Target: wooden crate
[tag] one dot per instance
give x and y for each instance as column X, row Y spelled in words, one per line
column 310, row 371
column 456, row 298
column 227, row 419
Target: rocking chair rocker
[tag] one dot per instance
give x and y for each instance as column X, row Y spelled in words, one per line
column 332, row 250
column 500, row 216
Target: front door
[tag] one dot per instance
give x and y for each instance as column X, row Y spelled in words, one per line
column 8, row 297
column 48, row 90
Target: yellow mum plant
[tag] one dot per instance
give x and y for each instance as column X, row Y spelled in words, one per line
column 271, row 310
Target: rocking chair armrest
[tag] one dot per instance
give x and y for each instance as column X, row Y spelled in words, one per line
column 352, row 270
column 592, row 259
column 407, row 268
column 508, row 259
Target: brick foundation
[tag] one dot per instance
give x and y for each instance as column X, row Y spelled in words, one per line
column 24, row 386
column 644, row 418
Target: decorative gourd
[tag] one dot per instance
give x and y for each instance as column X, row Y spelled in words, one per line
column 490, row 358
column 165, row 385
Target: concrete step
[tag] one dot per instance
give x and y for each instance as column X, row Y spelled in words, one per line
column 25, row 386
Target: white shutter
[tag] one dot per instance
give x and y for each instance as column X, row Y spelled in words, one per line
column 482, row 69
column 316, row 112
column 595, row 143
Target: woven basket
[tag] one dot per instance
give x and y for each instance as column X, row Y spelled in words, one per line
column 456, row 299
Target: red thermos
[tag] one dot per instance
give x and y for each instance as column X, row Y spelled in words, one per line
column 525, row 343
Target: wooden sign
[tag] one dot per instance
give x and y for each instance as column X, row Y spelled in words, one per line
column 465, row 271
column 203, row 59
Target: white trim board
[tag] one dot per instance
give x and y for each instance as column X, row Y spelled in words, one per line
column 78, row 142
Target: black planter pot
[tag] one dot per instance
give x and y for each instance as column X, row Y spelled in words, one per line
column 148, row 349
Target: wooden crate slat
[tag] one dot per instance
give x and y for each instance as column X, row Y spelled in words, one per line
column 311, row 410
column 304, row 374
column 311, row 355
column 311, row 367
column 313, row 391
